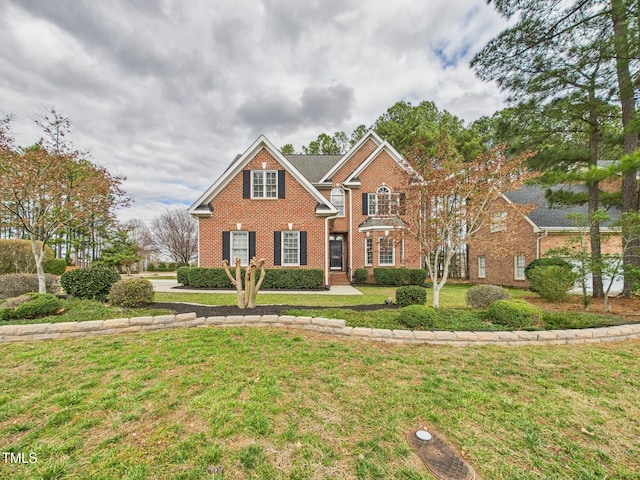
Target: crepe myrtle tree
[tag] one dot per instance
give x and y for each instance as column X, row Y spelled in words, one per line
column 252, row 283
column 449, row 200
column 49, row 187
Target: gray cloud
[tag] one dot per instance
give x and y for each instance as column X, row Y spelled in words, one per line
column 168, row 92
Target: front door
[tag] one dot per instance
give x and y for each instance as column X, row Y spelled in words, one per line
column 336, row 249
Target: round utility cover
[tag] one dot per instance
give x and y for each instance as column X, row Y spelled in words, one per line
column 423, row 435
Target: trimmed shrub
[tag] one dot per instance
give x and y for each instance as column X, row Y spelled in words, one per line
column 544, row 262
column 418, row 316
column 417, row 276
column 182, row 274
column 15, row 284
column 55, row 266
column 514, row 313
column 16, row 256
column 360, row 275
column 289, row 279
column 131, row 293
column 91, row 283
column 391, row 276
column 552, row 282
column 481, row 296
column 31, row 305
column 411, row 295
column 151, row 267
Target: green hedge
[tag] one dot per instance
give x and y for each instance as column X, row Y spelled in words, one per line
column 91, row 283
column 283, row 279
column 399, row 276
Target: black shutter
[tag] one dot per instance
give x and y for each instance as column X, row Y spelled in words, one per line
column 226, row 246
column 365, row 204
column 246, row 184
column 303, row 248
column 277, row 249
column 252, row 245
column 401, row 207
column 281, row 184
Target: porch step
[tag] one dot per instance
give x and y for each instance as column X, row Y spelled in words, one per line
column 338, row 278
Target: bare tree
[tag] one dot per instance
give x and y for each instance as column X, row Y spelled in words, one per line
column 175, row 234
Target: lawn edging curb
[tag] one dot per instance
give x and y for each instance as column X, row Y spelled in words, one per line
column 331, row 326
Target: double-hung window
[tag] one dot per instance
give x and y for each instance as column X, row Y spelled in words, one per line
column 482, row 266
column 290, row 248
column 368, row 251
column 240, row 247
column 264, row 183
column 386, row 251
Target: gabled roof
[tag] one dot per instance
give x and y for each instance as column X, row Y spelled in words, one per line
column 370, row 135
column 547, row 217
column 201, row 206
column 383, row 147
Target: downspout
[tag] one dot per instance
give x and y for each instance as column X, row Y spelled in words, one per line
column 540, row 237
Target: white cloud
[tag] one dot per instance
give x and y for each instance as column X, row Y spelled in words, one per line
column 167, row 93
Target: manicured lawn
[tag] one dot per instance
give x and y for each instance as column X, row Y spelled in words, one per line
column 451, row 296
column 454, row 314
column 76, row 310
column 268, row 403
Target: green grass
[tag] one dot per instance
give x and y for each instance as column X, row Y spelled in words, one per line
column 267, row 403
column 77, row 310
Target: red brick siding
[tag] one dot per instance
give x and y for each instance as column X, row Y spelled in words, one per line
column 499, row 256
column 263, row 216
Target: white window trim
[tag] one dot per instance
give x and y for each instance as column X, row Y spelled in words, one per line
column 264, row 179
column 515, row 266
column 367, row 241
column 231, row 250
column 393, row 252
column 282, row 242
column 482, row 266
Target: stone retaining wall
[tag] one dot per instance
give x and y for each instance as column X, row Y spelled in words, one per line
column 50, row 331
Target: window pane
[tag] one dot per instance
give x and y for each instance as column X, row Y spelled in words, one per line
column 368, row 248
column 271, row 185
column 482, row 270
column 240, row 247
column 258, row 183
column 337, row 199
column 385, row 254
column 290, row 248
column 520, row 264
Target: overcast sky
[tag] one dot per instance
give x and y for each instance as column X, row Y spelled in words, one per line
column 167, row 92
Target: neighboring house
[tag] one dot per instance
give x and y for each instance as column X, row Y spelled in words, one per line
column 332, row 212
column 504, row 247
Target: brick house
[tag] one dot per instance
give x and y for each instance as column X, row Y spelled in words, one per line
column 492, row 260
column 332, row 212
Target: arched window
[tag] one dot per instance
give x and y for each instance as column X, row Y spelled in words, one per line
column 337, row 199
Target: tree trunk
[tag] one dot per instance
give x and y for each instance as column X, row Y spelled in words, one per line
column 38, row 255
column 594, row 200
column 625, row 85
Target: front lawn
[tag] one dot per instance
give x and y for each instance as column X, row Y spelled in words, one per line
column 280, row 404
column 78, row 310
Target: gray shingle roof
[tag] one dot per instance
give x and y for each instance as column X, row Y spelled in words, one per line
column 545, row 216
column 313, row 167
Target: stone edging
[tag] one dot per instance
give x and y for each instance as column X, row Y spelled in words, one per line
column 50, row 331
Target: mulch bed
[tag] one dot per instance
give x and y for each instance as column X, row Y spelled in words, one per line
column 224, row 311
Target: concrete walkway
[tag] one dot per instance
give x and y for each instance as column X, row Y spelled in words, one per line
column 170, row 286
